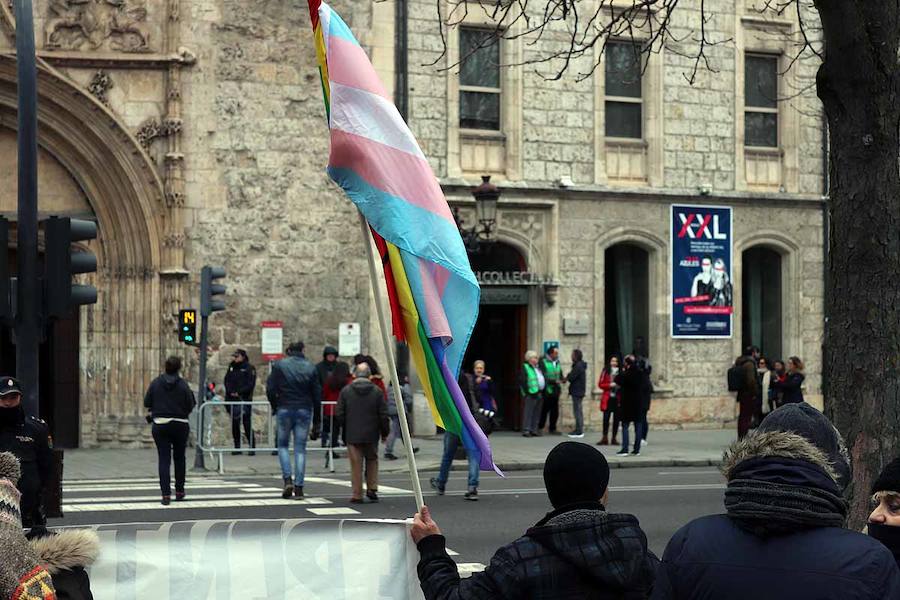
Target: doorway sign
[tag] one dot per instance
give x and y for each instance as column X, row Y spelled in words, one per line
column 349, row 339
column 550, row 344
column 272, row 340
column 702, row 285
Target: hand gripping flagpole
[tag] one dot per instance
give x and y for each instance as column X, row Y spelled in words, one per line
column 392, row 363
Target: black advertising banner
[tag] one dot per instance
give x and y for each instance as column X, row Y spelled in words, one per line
column 702, row 286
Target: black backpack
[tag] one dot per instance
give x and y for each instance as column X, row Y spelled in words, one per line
column 735, row 378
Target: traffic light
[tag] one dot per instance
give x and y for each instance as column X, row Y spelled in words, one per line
column 187, row 326
column 209, row 289
column 62, row 262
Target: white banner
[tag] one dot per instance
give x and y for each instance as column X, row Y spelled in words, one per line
column 307, row 559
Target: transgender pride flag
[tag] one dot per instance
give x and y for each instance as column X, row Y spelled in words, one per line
column 376, row 160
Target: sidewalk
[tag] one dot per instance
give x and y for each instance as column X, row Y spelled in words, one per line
column 512, row 452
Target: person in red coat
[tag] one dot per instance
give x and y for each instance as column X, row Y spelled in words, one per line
column 340, row 377
column 609, row 401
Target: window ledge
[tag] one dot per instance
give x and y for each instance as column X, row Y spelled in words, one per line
column 634, row 142
column 760, row 20
column 482, row 134
column 763, row 150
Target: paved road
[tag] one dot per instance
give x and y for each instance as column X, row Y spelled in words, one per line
column 662, row 498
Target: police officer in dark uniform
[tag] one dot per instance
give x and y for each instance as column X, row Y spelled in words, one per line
column 29, row 439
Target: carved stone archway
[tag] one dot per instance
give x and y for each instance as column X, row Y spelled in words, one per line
column 121, row 339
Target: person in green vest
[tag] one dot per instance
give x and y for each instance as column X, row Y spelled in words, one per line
column 532, row 383
column 553, row 375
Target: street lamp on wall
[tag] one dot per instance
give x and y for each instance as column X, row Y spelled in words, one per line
column 486, row 197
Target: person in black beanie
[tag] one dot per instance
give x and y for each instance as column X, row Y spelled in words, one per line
column 783, row 536
column 884, row 522
column 576, row 551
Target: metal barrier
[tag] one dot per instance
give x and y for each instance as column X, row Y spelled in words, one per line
column 207, row 443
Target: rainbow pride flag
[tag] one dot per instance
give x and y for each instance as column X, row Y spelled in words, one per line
column 374, row 157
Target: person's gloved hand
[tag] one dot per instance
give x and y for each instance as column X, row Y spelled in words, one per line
column 149, row 418
column 314, row 432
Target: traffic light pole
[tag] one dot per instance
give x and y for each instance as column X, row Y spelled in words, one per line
column 199, row 462
column 27, row 323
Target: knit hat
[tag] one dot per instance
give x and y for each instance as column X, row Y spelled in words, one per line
column 575, row 472
column 889, row 480
column 21, row 575
column 812, row 425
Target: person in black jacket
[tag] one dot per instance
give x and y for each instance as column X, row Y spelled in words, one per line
column 791, row 386
column 28, row 438
column 884, row 522
column 783, row 537
column 170, row 402
column 577, row 379
column 577, row 551
column 632, row 382
column 240, row 381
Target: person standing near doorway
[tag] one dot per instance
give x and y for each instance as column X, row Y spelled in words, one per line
column 609, row 402
column 577, row 379
column 170, row 402
column 631, row 386
column 294, row 391
column 28, row 438
column 240, row 381
column 552, row 375
column 531, row 383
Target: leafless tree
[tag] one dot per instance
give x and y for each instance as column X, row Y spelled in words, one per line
column 856, row 44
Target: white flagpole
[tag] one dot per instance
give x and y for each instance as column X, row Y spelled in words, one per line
column 392, row 363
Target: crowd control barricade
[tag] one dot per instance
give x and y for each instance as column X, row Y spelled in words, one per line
column 212, row 443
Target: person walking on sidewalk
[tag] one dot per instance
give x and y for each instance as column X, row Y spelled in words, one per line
column 294, row 391
column 531, row 383
column 452, row 444
column 363, row 410
column 643, row 363
column 577, row 380
column 240, row 381
column 577, row 551
column 170, row 402
column 396, row 432
column 631, row 384
column 552, row 376
column 748, row 392
column 609, row 401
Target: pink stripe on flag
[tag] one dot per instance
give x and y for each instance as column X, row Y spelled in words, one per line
column 349, row 65
column 390, row 170
column 431, row 298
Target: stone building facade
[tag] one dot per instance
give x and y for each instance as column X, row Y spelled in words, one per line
column 194, row 133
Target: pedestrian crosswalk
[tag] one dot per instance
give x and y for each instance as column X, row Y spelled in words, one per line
column 142, row 494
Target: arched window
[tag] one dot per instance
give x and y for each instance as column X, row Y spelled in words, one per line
column 762, row 298
column 627, row 299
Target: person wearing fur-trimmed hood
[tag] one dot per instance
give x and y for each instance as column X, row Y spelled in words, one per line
column 66, row 554
column 783, row 536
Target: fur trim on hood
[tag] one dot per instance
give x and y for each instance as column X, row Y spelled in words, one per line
column 67, row 549
column 775, row 443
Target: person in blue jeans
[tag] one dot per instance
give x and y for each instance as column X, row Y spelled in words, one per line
column 452, row 443
column 295, row 393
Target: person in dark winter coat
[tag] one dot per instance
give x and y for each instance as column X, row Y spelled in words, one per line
column 578, row 551
column 28, row 438
column 240, row 381
column 632, row 382
column 791, row 386
column 748, row 394
column 363, row 410
column 577, row 379
column 329, row 361
column 884, row 522
column 783, row 537
column 170, row 402
column 66, row 555
column 331, row 427
column 295, row 393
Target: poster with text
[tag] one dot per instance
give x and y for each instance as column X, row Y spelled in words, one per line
column 702, row 285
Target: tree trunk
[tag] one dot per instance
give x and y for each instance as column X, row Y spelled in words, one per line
column 858, row 85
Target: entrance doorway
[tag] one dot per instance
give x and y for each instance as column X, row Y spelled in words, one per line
column 626, row 288
column 58, row 372
column 500, row 334
column 761, row 318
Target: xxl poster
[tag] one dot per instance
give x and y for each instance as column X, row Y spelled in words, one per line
column 702, row 286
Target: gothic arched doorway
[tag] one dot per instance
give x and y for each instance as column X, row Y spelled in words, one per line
column 500, row 334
